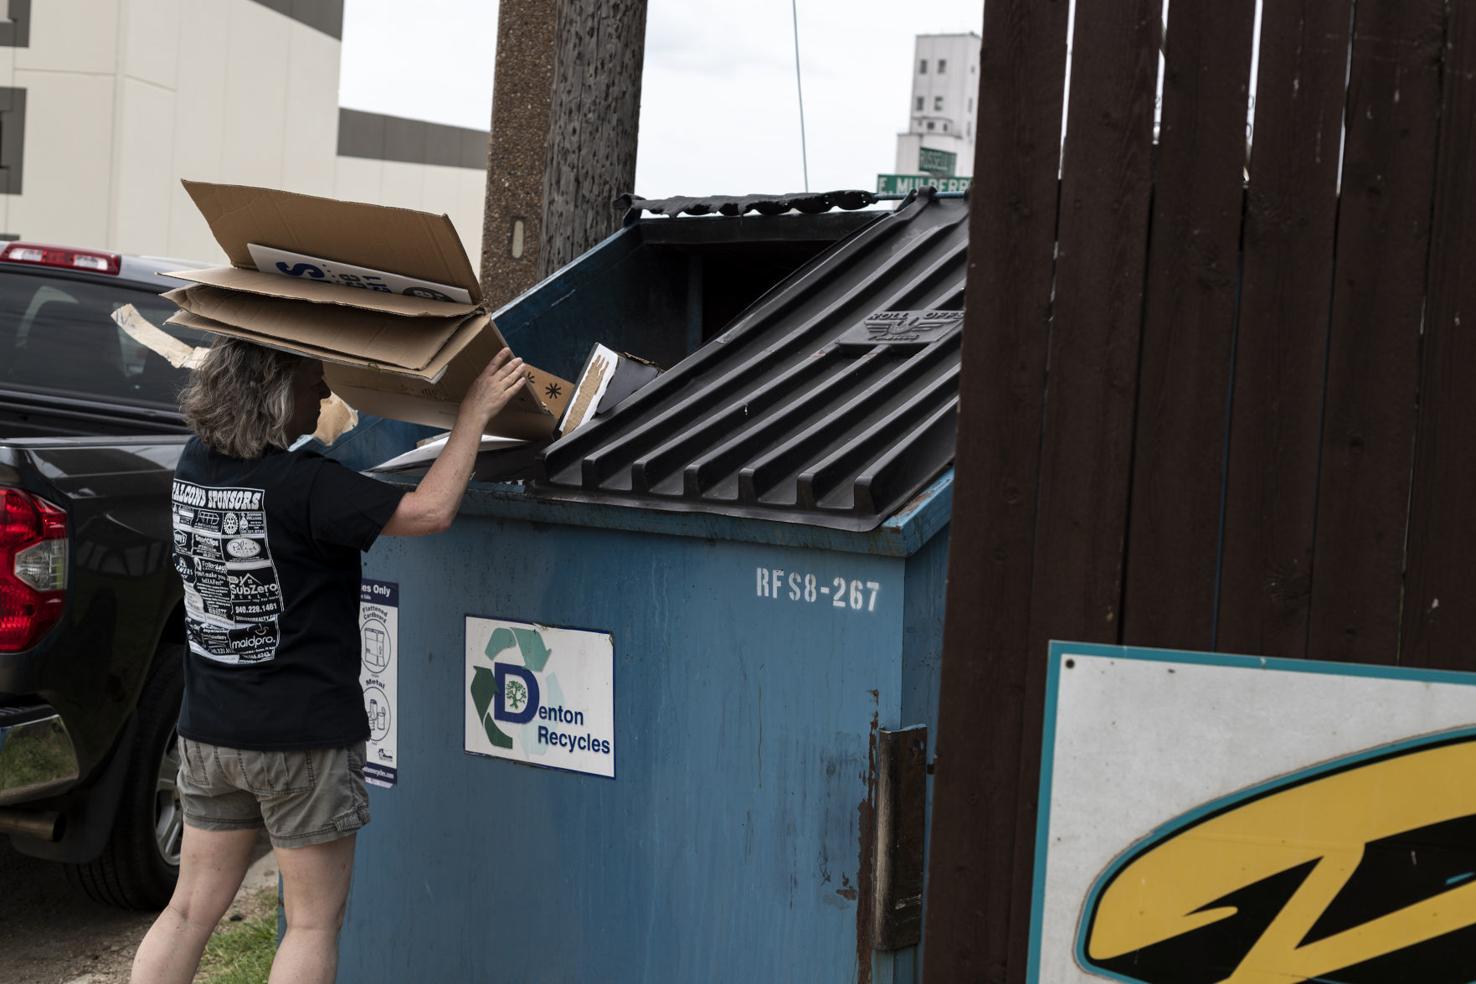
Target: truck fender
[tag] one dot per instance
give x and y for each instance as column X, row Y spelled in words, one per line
column 87, row 819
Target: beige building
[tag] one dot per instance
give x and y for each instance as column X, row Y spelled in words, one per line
column 945, row 83
column 106, row 104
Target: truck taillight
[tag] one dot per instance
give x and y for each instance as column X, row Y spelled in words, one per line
column 62, row 256
column 33, row 568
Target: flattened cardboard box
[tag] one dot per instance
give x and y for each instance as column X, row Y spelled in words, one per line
column 399, row 355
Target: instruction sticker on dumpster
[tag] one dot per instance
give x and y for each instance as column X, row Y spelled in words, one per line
column 379, row 641
column 541, row 695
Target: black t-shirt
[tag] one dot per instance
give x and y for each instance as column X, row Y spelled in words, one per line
column 268, row 550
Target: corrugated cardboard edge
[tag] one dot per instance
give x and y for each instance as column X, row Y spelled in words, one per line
column 461, row 373
column 410, row 345
column 532, row 419
column 335, row 419
column 240, row 214
column 435, row 413
column 316, row 292
column 430, row 374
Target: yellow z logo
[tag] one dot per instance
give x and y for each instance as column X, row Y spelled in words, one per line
column 1362, row 870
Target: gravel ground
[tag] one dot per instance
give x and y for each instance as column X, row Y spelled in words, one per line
column 51, row 933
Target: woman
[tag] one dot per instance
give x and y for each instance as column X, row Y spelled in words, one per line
column 272, row 727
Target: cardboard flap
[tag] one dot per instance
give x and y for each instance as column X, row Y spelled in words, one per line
column 368, row 336
column 415, row 244
column 193, row 321
column 432, row 373
column 531, row 414
column 178, row 354
column 425, row 407
column 451, row 386
column 317, row 292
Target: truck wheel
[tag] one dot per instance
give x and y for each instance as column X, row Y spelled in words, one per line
column 139, row 866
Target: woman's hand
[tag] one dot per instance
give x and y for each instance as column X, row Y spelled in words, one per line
column 432, row 506
column 493, row 389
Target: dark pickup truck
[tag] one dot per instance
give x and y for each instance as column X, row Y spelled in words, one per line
column 91, row 618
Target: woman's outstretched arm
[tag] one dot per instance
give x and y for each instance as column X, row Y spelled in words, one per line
column 433, row 504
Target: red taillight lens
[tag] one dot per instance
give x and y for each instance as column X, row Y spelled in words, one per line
column 62, row 256
column 33, row 568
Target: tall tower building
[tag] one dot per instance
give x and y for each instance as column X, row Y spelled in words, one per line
column 945, row 84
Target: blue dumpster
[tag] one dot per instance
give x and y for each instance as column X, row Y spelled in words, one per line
column 659, row 711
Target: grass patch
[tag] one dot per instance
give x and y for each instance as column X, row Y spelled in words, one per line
column 35, row 757
column 241, row 952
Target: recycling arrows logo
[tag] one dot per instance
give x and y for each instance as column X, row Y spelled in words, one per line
column 503, row 691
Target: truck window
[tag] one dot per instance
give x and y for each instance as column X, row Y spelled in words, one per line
column 57, row 335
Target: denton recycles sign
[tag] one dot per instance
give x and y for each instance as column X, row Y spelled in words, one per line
column 541, row 695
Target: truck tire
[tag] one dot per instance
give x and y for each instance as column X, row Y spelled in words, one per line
column 139, row 866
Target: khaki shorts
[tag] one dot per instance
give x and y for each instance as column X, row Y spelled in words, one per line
column 302, row 798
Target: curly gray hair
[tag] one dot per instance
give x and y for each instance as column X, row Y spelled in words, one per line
column 239, row 400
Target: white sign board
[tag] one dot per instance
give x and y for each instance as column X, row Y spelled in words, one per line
column 1211, row 817
column 541, row 695
column 379, row 644
column 289, row 264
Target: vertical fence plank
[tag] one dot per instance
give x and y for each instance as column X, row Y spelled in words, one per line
column 1373, row 345
column 1012, row 230
column 1281, row 341
column 1086, row 446
column 1101, row 252
column 1439, row 619
column 1189, row 321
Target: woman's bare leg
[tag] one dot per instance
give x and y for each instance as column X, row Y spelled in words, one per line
column 211, row 866
column 315, row 885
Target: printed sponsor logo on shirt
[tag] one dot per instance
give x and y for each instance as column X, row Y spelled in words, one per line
column 233, row 595
column 243, row 547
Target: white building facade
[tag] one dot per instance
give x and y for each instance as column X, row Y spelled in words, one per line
column 106, row 104
column 941, row 111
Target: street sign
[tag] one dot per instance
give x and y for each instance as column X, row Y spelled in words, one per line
column 939, row 162
column 901, row 184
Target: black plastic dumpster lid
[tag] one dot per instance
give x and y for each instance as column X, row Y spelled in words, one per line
column 831, row 401
column 808, row 202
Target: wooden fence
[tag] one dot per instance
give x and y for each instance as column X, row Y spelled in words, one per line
column 1209, row 401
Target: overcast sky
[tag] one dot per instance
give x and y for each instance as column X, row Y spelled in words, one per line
column 719, row 113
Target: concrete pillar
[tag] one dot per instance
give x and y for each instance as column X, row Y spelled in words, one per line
column 565, row 112
column 522, row 93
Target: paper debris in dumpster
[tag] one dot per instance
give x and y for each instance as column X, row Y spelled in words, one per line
column 388, row 347
column 428, row 451
column 500, row 459
column 607, row 378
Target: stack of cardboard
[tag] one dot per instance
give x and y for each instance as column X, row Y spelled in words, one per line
column 385, row 297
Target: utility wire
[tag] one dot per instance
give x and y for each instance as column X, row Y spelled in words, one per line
column 804, row 154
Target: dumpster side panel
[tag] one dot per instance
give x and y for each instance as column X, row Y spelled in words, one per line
column 922, row 634
column 620, row 285
column 922, row 653
column 728, row 846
